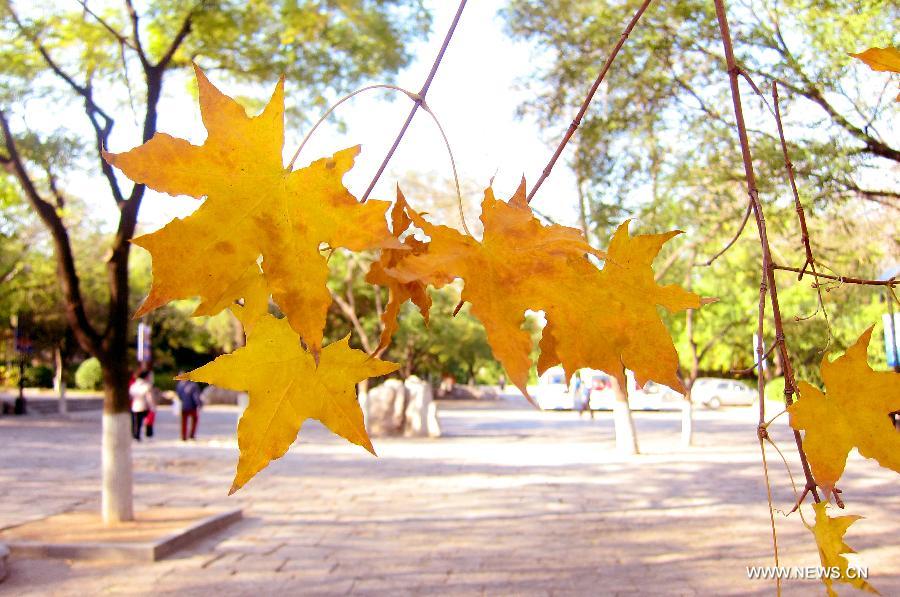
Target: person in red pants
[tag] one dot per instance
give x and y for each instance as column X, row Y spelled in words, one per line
column 189, row 394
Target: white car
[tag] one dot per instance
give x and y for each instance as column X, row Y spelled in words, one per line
column 713, row 393
column 552, row 392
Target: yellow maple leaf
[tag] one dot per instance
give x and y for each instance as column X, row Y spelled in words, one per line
column 881, row 59
column 399, row 291
column 829, row 533
column 853, row 412
column 607, row 319
column 254, row 206
column 286, row 388
column 511, row 270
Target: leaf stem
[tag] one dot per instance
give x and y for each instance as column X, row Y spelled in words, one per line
column 334, row 106
column 419, row 100
column 891, row 282
column 587, row 100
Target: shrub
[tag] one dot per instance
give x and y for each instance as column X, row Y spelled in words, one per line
column 89, row 375
column 40, row 376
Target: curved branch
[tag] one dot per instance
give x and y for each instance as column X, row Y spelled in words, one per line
column 75, row 312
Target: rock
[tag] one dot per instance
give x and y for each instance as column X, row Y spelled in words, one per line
column 384, row 408
column 421, row 410
column 216, row 395
column 401, row 408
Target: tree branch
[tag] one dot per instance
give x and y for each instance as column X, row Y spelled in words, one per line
column 419, row 101
column 180, row 36
column 92, row 110
column 136, row 33
column 768, row 272
column 587, row 100
column 119, row 37
column 75, row 313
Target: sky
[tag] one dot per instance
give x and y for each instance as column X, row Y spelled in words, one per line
column 475, row 95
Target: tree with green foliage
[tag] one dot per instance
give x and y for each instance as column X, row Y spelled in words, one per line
column 658, row 144
column 101, row 65
column 662, row 113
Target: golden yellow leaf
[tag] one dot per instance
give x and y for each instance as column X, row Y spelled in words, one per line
column 829, row 533
column 853, row 412
column 398, row 291
column 254, row 206
column 286, row 388
column 881, row 59
column 511, row 270
column 608, row 320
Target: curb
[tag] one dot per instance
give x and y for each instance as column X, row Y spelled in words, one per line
column 131, row 552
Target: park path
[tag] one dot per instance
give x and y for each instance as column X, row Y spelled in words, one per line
column 510, row 502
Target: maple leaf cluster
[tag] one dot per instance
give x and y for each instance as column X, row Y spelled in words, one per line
column 259, row 234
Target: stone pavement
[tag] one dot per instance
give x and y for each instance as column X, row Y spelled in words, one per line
column 510, row 502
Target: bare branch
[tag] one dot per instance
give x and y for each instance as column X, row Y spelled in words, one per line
column 180, row 36
column 419, row 101
column 136, row 34
column 768, row 272
column 587, row 100
column 119, row 37
column 842, row 279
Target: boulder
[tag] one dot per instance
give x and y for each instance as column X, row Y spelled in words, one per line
column 384, row 408
column 216, row 395
column 421, row 409
column 401, row 408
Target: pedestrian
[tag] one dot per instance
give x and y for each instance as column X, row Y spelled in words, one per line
column 141, row 393
column 189, row 393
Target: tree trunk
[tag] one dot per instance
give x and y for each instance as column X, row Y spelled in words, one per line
column 117, row 478
column 59, row 380
column 687, row 421
column 626, row 437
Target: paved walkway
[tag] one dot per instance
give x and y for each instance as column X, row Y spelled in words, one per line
column 510, row 502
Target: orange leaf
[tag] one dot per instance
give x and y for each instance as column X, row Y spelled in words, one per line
column 881, row 59
column 399, row 291
column 254, row 206
column 600, row 319
column 853, row 412
column 607, row 319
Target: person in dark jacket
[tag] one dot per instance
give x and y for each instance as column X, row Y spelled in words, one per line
column 189, row 394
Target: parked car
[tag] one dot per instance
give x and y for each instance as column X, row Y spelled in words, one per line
column 655, row 396
column 552, row 392
column 713, row 393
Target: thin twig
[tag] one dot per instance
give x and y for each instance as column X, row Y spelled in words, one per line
column 891, row 282
column 459, row 201
column 762, row 450
column 587, row 100
column 334, row 106
column 419, row 101
column 733, row 71
column 425, row 107
column 736, row 236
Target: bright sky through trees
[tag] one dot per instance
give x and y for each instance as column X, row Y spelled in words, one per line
column 474, row 95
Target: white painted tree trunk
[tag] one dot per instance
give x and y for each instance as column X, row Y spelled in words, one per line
column 626, row 437
column 687, row 422
column 116, row 499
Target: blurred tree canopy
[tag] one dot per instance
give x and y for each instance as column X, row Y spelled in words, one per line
column 77, row 77
column 658, row 144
